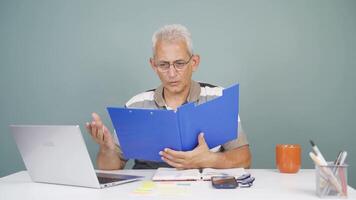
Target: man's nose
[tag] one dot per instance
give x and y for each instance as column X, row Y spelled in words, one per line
column 172, row 72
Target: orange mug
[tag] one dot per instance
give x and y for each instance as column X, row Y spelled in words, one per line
column 288, row 157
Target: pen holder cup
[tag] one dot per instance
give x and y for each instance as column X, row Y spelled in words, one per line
column 331, row 181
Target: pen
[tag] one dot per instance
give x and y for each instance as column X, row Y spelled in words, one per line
column 337, row 165
column 343, row 158
column 339, row 161
column 342, row 173
column 338, row 158
column 316, row 159
column 327, row 171
column 317, row 152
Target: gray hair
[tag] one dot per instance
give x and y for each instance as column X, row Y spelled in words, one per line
column 171, row 33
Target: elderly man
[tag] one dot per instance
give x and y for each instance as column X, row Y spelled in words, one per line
column 174, row 63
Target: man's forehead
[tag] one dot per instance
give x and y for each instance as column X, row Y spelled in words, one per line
column 171, row 49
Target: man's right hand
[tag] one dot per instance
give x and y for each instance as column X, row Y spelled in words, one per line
column 100, row 133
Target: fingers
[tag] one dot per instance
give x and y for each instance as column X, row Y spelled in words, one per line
column 99, row 132
column 170, row 159
column 175, row 154
column 97, row 127
column 201, row 139
column 189, row 159
column 88, row 127
column 96, row 117
column 96, row 131
column 172, row 163
column 107, row 135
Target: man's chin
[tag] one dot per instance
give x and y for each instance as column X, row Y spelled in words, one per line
column 174, row 88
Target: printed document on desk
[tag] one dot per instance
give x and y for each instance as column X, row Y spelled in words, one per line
column 144, row 132
column 173, row 174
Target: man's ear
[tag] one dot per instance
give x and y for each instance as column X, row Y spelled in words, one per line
column 153, row 65
column 195, row 62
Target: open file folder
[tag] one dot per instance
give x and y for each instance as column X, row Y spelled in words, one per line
column 144, row 132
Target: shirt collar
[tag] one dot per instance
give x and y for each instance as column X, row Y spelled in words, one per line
column 193, row 96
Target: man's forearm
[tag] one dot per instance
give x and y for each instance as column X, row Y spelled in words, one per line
column 108, row 159
column 238, row 157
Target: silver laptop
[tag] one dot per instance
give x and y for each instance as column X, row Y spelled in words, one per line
column 58, row 154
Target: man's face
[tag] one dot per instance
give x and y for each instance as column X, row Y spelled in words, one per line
column 175, row 80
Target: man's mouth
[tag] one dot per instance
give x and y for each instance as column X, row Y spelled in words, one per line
column 173, row 82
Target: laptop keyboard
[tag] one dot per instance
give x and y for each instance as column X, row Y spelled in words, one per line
column 103, row 180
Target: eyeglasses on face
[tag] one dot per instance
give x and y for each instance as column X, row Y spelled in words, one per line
column 179, row 65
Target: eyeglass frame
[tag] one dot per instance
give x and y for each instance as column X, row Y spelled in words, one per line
column 174, row 65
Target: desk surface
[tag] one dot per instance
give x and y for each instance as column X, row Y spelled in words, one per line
column 269, row 184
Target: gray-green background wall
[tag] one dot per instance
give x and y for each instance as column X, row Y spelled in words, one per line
column 295, row 61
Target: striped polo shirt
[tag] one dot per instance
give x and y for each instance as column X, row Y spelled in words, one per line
column 199, row 93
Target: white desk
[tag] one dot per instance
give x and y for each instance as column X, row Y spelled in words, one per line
column 269, row 184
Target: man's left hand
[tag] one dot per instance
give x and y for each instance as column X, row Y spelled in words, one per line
column 200, row 157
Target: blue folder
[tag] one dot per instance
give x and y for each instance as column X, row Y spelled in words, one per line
column 144, row 132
